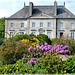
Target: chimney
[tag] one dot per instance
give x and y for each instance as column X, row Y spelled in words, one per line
column 64, row 4
column 24, row 4
column 55, row 8
column 30, row 8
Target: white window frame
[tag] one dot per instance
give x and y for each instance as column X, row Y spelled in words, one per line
column 72, row 25
column 61, row 25
column 22, row 26
column 33, row 24
column 49, row 24
column 41, row 24
column 11, row 25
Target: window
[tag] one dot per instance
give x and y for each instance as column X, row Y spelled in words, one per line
column 21, row 33
column 72, row 25
column 48, row 34
column 41, row 15
column 33, row 33
column 49, row 24
column 33, row 24
column 61, row 25
column 41, row 32
column 11, row 34
column 41, row 24
column 22, row 25
column 12, row 25
column 72, row 35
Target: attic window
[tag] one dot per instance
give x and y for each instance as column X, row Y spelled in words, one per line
column 41, row 15
column 23, row 16
column 60, row 16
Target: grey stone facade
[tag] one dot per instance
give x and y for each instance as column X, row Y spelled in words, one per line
column 53, row 21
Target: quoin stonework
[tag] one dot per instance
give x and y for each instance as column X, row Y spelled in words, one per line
column 53, row 21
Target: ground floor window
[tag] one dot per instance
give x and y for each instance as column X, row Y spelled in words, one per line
column 49, row 34
column 11, row 34
column 21, row 33
column 41, row 32
column 72, row 35
column 33, row 33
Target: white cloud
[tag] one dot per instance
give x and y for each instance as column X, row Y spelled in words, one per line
column 3, row 13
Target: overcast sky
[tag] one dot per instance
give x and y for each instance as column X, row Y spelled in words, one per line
column 9, row 7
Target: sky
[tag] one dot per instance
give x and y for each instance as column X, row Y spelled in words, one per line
column 9, row 7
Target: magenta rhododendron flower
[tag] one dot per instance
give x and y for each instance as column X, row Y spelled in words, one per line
column 30, row 49
column 23, row 58
column 24, row 64
column 40, row 58
column 28, row 62
column 24, row 54
column 66, row 51
column 33, row 58
column 37, row 59
column 31, row 62
column 46, row 44
column 35, row 49
column 62, row 51
column 39, row 53
column 28, row 56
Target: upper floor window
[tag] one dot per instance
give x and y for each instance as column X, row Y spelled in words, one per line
column 72, row 25
column 12, row 25
column 49, row 24
column 61, row 25
column 22, row 25
column 41, row 24
column 33, row 24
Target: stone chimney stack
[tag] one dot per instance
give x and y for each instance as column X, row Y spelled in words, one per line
column 24, row 4
column 30, row 8
column 55, row 8
column 64, row 4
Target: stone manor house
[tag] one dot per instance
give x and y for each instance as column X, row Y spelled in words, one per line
column 53, row 20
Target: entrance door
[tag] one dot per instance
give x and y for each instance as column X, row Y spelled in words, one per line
column 61, row 34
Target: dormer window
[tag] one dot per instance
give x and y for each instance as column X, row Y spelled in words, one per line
column 41, row 15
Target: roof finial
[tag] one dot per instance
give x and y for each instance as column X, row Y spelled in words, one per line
column 24, row 4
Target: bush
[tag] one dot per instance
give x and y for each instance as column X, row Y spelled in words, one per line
column 43, row 39
column 65, row 41
column 11, row 51
column 1, row 41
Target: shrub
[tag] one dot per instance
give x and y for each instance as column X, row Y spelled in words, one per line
column 11, row 51
column 65, row 41
column 43, row 39
column 1, row 41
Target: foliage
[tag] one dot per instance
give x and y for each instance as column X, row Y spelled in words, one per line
column 65, row 41
column 2, row 27
column 70, row 62
column 43, row 39
column 1, row 41
column 11, row 51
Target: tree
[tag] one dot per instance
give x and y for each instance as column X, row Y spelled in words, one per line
column 2, row 27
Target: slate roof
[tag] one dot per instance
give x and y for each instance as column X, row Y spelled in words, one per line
column 62, row 12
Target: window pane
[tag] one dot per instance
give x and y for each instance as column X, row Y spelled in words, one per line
column 11, row 34
column 22, row 25
column 61, row 25
column 41, row 24
column 33, row 24
column 48, row 34
column 33, row 33
column 12, row 25
column 72, row 25
column 49, row 24
column 41, row 32
column 21, row 33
